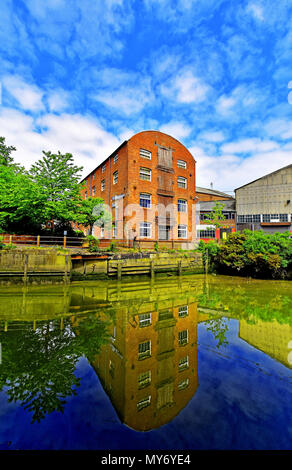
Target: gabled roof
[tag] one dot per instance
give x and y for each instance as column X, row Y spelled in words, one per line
column 269, row 174
column 212, row 192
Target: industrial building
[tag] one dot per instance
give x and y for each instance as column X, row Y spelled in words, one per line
column 266, row 203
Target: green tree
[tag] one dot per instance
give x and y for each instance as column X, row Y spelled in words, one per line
column 22, row 203
column 5, row 153
column 58, row 177
column 216, row 215
column 90, row 211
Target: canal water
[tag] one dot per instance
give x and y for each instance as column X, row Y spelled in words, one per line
column 191, row 362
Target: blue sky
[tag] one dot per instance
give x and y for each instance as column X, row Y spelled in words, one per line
column 81, row 76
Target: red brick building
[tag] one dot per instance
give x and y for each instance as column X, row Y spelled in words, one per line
column 148, row 183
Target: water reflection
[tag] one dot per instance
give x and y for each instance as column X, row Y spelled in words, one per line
column 140, row 338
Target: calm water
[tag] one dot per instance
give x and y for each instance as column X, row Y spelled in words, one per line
column 182, row 363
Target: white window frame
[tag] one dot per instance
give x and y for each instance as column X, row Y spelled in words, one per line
column 183, row 363
column 183, row 311
column 149, row 226
column 182, row 203
column 103, row 185
column 145, row 154
column 184, row 384
column 144, row 354
column 144, row 403
column 145, row 320
column 182, row 228
column 115, row 177
column 116, row 157
column 101, row 232
column 144, row 379
column 93, row 191
column 85, row 195
column 182, row 182
column 93, row 175
column 182, row 340
column 103, row 168
column 145, row 172
column 182, row 164
column 147, row 197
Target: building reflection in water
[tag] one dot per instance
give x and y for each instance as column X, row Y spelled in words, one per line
column 150, row 370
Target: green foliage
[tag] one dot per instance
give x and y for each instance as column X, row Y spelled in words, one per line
column 90, row 211
column 216, row 215
column 5, row 153
column 113, row 247
column 93, row 243
column 255, row 254
column 156, row 247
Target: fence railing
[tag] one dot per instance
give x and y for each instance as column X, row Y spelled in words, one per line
column 78, row 242
column 42, row 240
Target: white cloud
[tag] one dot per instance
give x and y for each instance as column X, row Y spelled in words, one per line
column 215, row 136
column 228, row 171
column 82, row 136
column 279, row 128
column 29, row 97
column 185, row 88
column 249, row 146
column 125, row 92
column 256, row 10
column 178, row 130
column 58, row 100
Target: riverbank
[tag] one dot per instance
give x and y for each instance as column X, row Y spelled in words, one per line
column 28, row 265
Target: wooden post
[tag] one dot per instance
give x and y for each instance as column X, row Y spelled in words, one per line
column 206, row 263
column 84, row 267
column 179, row 268
column 10, row 239
column 25, row 268
column 119, row 270
column 66, row 269
column 34, row 325
column 38, row 240
column 152, row 272
column 62, row 323
column 65, row 241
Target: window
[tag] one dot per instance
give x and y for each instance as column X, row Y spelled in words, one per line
column 206, row 233
column 181, row 164
column 85, row 195
column 116, row 158
column 183, row 337
column 93, row 176
column 256, row 218
column 275, row 218
column 145, row 174
column 145, row 229
column 283, row 217
column 144, row 403
column 144, row 350
column 144, row 320
column 115, row 177
column 240, row 219
column 114, row 231
column 182, row 205
column 144, row 379
column 266, row 218
column 93, row 191
column 205, row 215
column 101, row 232
column 183, row 384
column 183, row 363
column 182, row 231
column 181, row 182
column 145, row 154
column 145, row 200
column 183, row 311
column 103, row 168
column 103, row 185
